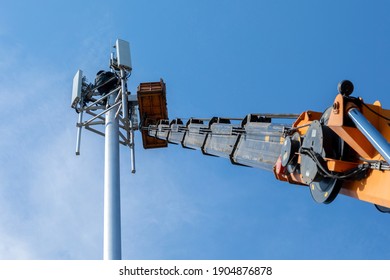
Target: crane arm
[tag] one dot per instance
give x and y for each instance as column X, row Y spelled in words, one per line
column 344, row 150
column 252, row 141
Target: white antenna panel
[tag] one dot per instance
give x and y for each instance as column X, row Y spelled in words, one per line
column 123, row 54
column 76, row 91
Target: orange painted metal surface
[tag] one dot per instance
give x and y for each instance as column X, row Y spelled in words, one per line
column 340, row 165
column 304, row 120
column 375, row 188
column 351, row 135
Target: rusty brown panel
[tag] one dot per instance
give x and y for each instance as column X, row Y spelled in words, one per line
column 152, row 105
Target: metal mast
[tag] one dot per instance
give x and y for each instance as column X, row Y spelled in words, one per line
column 112, row 207
column 109, row 104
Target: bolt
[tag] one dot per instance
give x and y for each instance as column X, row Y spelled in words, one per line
column 336, row 107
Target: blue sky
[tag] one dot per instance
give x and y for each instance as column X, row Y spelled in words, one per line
column 218, row 58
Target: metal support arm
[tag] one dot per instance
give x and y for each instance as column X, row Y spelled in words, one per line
column 371, row 133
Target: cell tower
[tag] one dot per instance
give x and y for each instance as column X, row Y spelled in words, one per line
column 109, row 104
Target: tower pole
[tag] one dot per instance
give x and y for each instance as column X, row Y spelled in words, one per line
column 112, row 215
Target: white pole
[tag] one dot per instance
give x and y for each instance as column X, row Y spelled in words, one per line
column 112, row 215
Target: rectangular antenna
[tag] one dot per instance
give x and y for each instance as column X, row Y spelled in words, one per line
column 76, row 91
column 123, row 54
